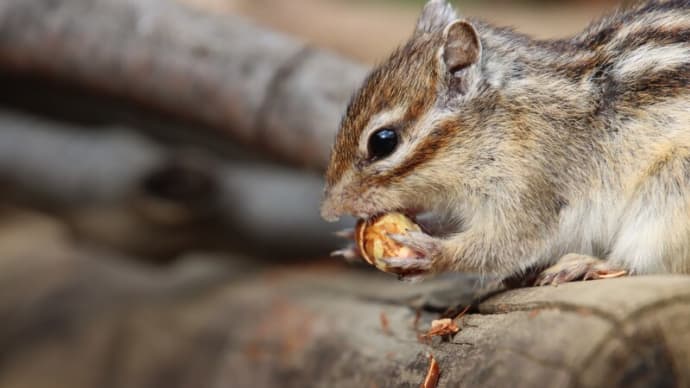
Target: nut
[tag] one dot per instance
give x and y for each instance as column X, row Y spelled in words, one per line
column 374, row 243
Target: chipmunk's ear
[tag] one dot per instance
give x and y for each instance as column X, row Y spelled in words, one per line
column 437, row 14
column 462, row 47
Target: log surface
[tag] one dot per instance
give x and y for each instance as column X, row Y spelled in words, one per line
column 212, row 325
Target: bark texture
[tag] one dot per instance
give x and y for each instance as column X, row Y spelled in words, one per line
column 212, row 325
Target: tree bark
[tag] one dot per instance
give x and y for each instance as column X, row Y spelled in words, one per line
column 253, row 85
column 201, row 324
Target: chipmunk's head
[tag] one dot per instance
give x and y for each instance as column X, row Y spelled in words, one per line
column 389, row 151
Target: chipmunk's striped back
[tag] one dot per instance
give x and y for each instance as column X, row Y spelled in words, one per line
column 638, row 56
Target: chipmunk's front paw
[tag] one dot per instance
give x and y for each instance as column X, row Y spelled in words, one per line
column 578, row 267
column 350, row 253
column 428, row 248
column 426, row 245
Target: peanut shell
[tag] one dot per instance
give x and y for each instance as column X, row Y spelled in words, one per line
column 374, row 244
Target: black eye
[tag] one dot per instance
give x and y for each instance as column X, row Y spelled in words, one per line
column 382, row 143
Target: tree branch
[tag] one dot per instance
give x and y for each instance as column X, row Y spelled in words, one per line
column 253, row 85
column 117, row 187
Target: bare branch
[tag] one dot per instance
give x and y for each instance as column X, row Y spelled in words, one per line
column 256, row 86
column 117, row 187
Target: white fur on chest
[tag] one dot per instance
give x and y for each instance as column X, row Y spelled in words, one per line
column 627, row 233
column 640, row 222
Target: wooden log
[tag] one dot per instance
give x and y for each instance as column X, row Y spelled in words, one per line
column 118, row 188
column 253, row 85
column 70, row 320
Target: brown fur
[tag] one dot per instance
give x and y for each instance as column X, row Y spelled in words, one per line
column 377, row 94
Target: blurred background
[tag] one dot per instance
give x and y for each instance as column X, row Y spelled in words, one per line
column 368, row 29
column 160, row 146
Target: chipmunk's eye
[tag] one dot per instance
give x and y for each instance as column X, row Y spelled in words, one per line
column 382, row 143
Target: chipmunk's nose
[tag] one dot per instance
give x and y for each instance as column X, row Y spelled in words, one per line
column 331, row 209
column 337, row 200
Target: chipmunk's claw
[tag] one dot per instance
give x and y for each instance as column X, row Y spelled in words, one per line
column 350, row 254
column 596, row 274
column 348, row 233
column 577, row 267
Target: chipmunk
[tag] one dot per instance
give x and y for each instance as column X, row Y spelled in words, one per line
column 567, row 157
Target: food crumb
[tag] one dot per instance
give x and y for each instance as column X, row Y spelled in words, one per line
column 385, row 327
column 442, row 327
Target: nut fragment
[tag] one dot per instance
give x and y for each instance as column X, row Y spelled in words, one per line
column 442, row 327
column 374, row 243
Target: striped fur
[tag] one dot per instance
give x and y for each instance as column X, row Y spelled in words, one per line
column 544, row 139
